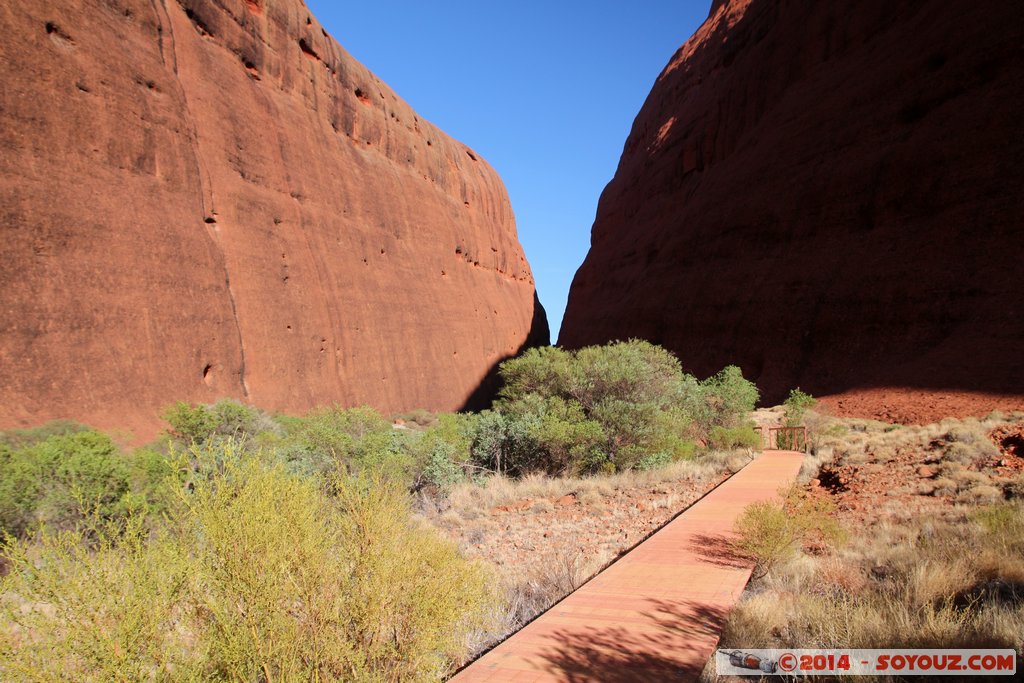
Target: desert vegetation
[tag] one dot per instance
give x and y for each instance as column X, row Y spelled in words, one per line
column 897, row 536
column 344, row 545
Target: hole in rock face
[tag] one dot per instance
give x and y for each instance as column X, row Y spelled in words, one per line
column 198, row 22
column 307, row 49
column 251, row 68
column 471, row 155
column 208, row 374
column 57, row 34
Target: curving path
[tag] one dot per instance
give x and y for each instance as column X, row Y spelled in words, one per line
column 655, row 614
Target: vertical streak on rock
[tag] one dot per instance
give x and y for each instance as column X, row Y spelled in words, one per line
column 206, row 200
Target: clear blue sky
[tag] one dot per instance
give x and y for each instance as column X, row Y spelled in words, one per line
column 545, row 91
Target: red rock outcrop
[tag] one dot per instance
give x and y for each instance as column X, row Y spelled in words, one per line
column 211, row 198
column 831, row 196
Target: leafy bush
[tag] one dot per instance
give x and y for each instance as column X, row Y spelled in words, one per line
column 60, row 480
column 442, row 453
column 102, row 603
column 260, row 575
column 16, row 438
column 197, row 423
column 771, row 533
column 729, row 396
column 728, row 438
column 796, row 405
column 440, row 468
column 604, row 408
column 767, row 535
column 355, row 440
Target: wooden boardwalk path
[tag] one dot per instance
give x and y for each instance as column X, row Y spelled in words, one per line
column 656, row 613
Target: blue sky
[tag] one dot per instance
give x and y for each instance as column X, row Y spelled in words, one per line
column 545, row 91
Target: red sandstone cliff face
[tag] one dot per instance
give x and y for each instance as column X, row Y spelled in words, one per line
column 211, row 198
column 831, row 196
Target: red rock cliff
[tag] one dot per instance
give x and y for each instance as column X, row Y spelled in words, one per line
column 211, row 198
column 830, row 195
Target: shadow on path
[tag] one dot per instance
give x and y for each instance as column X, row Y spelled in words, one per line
column 618, row 655
column 719, row 551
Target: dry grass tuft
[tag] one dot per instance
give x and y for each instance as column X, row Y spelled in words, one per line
column 498, row 490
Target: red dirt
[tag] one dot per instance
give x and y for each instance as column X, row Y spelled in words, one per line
column 881, row 485
column 527, row 534
column 1010, row 441
column 916, row 406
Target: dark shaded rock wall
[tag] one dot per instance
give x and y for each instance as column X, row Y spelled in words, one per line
column 829, row 195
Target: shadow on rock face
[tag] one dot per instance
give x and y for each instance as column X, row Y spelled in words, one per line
column 483, row 396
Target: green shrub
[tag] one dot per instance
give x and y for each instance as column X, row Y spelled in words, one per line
column 197, row 423
column 354, row 440
column 260, row 575
column 442, row 454
column 728, row 438
column 19, row 490
column 601, row 408
column 771, row 533
column 190, row 423
column 767, row 535
column 103, row 603
column 654, row 461
column 441, row 469
column 536, row 434
column 729, row 396
column 411, row 601
column 60, row 480
column 545, row 371
column 796, row 405
column 17, row 438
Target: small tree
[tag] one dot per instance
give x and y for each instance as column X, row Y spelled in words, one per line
column 796, row 405
column 771, row 533
column 595, row 409
column 730, row 396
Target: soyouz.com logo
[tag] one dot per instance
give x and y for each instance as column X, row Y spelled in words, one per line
column 866, row 662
